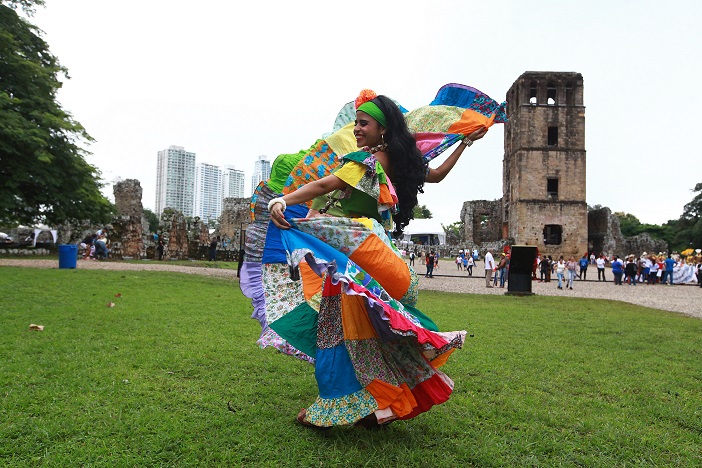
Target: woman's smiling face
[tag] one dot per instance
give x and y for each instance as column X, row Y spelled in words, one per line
column 367, row 130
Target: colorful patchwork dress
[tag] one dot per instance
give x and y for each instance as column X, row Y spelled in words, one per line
column 335, row 291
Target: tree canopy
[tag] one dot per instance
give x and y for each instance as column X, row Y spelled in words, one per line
column 44, row 172
column 421, row 212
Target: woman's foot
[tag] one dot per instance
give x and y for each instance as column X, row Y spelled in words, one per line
column 301, row 420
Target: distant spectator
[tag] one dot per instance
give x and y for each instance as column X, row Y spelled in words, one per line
column 213, row 248
column 159, row 249
column 583, row 268
column 617, row 270
column 668, row 272
column 600, row 262
column 101, row 242
column 570, row 270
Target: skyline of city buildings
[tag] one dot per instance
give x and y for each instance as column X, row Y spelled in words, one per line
column 198, row 189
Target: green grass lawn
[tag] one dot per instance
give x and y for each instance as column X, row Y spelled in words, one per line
column 543, row 381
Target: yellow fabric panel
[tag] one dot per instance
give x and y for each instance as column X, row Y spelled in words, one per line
column 354, row 319
column 311, row 282
column 342, row 141
column 470, row 122
column 399, row 399
column 367, row 222
column 351, row 172
column 379, row 261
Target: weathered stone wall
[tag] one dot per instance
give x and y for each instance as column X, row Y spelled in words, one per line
column 127, row 233
column 605, row 236
column 604, row 232
column 177, row 245
column 482, row 221
column 641, row 243
column 235, row 215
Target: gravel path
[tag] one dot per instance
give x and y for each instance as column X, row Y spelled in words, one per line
column 685, row 299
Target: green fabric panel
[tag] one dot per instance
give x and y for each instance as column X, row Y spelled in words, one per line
column 360, row 203
column 423, row 319
column 283, row 166
column 299, row 328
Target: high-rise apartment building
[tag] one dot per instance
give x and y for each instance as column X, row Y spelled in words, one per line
column 233, row 183
column 262, row 171
column 208, row 191
column 175, row 180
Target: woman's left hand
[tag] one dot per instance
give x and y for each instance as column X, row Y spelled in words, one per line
column 477, row 135
column 277, row 216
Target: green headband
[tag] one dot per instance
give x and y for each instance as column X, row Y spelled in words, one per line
column 374, row 111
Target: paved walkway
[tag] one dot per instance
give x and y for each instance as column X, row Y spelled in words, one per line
column 685, row 299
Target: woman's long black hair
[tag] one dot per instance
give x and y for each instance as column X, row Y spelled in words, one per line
column 409, row 170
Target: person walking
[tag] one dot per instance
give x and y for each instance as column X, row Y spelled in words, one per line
column 411, row 258
column 213, row 248
column 560, row 271
column 489, row 268
column 469, row 263
column 570, row 270
column 430, row 265
column 583, row 268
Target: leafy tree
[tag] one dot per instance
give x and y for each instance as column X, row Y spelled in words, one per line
column 630, row 224
column 421, row 212
column 152, row 219
column 688, row 228
column 45, row 177
column 454, row 232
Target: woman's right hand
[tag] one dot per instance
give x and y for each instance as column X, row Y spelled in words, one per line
column 277, row 216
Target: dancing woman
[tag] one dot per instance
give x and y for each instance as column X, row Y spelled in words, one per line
column 376, row 356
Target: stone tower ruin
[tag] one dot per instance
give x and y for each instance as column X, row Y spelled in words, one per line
column 543, row 200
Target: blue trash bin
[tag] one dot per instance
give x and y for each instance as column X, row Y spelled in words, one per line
column 68, row 254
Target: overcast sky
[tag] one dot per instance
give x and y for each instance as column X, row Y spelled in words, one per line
column 234, row 80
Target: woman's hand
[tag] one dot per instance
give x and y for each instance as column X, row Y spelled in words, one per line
column 477, row 135
column 277, row 216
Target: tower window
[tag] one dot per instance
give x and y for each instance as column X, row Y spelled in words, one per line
column 532, row 93
column 552, row 187
column 570, row 95
column 552, row 136
column 551, row 94
column 553, row 234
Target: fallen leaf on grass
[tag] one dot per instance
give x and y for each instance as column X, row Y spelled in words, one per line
column 118, row 295
column 110, row 304
column 34, row 327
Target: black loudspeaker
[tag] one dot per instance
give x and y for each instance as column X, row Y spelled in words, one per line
column 521, row 265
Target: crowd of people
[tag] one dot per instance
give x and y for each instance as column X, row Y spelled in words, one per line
column 665, row 269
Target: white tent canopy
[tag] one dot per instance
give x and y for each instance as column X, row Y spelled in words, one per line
column 425, row 231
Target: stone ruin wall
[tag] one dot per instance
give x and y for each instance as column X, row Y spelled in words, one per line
column 236, row 215
column 127, row 233
column 482, row 224
column 605, row 236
